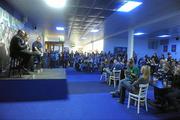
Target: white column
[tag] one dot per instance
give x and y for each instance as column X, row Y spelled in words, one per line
column 130, row 43
column 92, row 46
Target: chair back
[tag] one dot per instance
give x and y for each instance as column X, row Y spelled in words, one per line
column 143, row 90
column 116, row 74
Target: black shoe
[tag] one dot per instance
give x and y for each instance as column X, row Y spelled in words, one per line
column 27, row 73
column 112, row 92
column 115, row 94
column 120, row 101
column 25, row 69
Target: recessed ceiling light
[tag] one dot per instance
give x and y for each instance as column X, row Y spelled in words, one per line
column 139, row 33
column 129, row 6
column 83, row 38
column 95, row 30
column 61, row 38
column 60, row 28
column 56, row 3
column 163, row 36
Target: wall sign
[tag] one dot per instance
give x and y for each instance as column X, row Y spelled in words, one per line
column 165, row 48
column 173, row 48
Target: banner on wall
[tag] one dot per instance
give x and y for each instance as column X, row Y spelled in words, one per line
column 118, row 50
column 173, row 48
column 165, row 48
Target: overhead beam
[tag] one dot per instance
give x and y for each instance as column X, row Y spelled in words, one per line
column 69, row 33
column 90, row 16
column 99, row 15
column 89, row 11
column 94, row 8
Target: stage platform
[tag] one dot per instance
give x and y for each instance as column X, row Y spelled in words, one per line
column 45, row 74
column 50, row 84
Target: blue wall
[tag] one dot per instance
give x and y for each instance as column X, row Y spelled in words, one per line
column 111, row 43
column 174, row 54
column 141, row 47
column 112, row 26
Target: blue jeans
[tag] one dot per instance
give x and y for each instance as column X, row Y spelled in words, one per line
column 127, row 82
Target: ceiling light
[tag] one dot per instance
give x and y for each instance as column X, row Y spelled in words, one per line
column 139, row 33
column 163, row 36
column 61, row 38
column 83, row 38
column 95, row 30
column 60, row 28
column 56, row 3
column 129, row 6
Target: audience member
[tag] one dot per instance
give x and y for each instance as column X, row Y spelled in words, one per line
column 132, row 74
column 134, row 86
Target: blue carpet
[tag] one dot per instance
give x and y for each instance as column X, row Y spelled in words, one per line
column 89, row 99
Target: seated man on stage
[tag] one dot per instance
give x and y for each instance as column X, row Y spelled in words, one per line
column 18, row 48
column 37, row 49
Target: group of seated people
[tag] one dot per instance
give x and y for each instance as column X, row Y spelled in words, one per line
column 132, row 75
column 163, row 69
column 90, row 62
column 20, row 48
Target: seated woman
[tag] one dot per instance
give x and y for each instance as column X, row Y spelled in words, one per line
column 134, row 87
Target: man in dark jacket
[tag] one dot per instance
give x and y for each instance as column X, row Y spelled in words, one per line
column 37, row 49
column 18, row 48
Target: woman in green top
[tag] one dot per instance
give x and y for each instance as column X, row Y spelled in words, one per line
column 134, row 87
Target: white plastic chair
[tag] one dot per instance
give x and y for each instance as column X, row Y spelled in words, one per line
column 115, row 77
column 141, row 97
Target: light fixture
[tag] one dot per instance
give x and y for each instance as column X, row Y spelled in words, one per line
column 129, row 6
column 139, row 33
column 83, row 38
column 56, row 3
column 94, row 30
column 61, row 38
column 60, row 28
column 163, row 36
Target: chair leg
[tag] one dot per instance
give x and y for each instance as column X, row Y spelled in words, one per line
column 138, row 106
column 19, row 71
column 105, row 77
column 146, row 105
column 129, row 101
column 13, row 67
column 135, row 102
column 10, row 67
column 109, row 81
column 101, row 77
column 114, row 83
